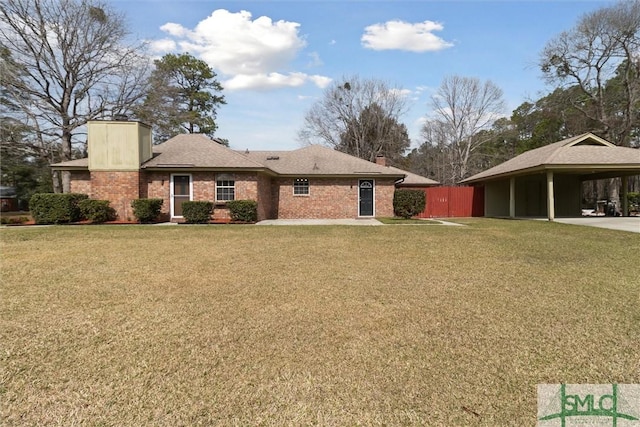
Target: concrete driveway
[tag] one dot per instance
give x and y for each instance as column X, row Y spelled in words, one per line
column 631, row 223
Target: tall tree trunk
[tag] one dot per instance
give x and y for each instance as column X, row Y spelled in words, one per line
column 55, row 178
column 66, row 153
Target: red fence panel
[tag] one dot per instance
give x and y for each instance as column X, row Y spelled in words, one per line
column 447, row 202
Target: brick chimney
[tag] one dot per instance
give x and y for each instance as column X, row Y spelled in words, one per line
column 381, row 160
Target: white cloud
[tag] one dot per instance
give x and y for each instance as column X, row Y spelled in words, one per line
column 175, row 30
column 403, row 93
column 273, row 80
column 252, row 53
column 320, row 81
column 399, row 35
column 162, row 45
column 314, row 60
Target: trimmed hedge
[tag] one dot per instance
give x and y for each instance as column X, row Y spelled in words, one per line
column 98, row 211
column 56, row 208
column 197, row 212
column 243, row 210
column 408, row 203
column 146, row 210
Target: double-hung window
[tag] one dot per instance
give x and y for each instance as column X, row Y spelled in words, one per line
column 225, row 187
column 301, row 187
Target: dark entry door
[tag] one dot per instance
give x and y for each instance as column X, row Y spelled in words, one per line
column 181, row 192
column 366, row 197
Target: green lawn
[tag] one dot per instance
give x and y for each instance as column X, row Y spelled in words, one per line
column 324, row 325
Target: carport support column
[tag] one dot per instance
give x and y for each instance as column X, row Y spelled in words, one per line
column 512, row 197
column 551, row 214
column 625, row 202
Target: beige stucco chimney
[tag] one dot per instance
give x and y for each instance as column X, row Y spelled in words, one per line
column 118, row 145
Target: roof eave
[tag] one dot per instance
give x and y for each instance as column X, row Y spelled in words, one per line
column 68, row 168
column 556, row 168
column 193, row 168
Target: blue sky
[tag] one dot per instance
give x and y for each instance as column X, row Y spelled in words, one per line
column 275, row 57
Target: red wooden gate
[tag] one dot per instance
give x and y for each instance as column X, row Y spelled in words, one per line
column 447, row 202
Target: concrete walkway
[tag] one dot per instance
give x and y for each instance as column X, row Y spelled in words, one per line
column 364, row 221
column 346, row 221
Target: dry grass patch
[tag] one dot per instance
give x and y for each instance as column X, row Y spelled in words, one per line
column 326, row 325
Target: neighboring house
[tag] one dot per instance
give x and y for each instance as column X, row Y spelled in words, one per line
column 311, row 182
column 547, row 181
column 8, row 199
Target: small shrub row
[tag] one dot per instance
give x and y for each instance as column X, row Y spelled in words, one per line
column 146, row 210
column 243, row 210
column 97, row 211
column 408, row 203
column 56, row 208
column 13, row 220
column 197, row 212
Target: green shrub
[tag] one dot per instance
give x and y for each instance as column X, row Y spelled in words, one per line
column 633, row 198
column 146, row 210
column 243, row 210
column 408, row 203
column 197, row 212
column 98, row 211
column 56, row 208
column 13, row 220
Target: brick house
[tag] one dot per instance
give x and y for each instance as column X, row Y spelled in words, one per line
column 310, row 182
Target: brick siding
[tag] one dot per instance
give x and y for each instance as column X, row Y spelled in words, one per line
column 330, row 198
column 120, row 188
column 80, row 182
column 158, row 185
column 265, row 205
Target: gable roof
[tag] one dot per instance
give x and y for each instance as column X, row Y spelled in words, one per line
column 579, row 152
column 319, row 160
column 200, row 152
column 197, row 151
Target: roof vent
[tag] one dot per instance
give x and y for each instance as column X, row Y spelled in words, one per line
column 273, row 158
column 120, row 117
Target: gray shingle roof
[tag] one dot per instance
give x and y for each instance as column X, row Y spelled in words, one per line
column 579, row 151
column 319, row 160
column 197, row 151
column 72, row 164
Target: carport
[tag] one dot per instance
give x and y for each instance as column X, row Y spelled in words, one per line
column 547, row 181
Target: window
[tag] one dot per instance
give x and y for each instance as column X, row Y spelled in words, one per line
column 301, row 187
column 225, row 187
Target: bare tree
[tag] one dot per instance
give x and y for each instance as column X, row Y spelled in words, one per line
column 601, row 56
column 66, row 62
column 360, row 117
column 462, row 107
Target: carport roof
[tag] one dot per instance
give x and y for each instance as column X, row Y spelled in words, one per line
column 586, row 153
